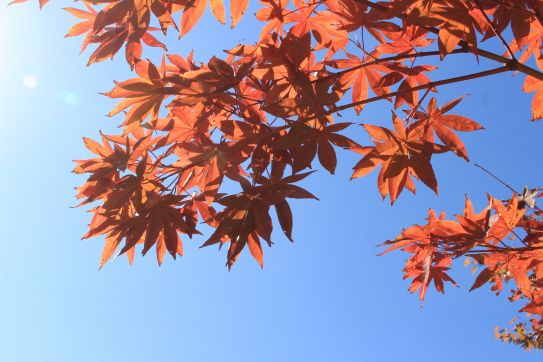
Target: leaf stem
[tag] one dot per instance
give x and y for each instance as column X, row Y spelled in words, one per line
column 511, row 53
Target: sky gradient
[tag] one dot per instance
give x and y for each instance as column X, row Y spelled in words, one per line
column 327, row 297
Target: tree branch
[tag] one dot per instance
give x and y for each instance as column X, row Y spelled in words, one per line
column 462, row 78
column 483, row 53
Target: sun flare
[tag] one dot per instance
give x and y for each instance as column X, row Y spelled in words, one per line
column 30, row 81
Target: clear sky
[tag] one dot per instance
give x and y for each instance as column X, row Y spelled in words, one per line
column 327, row 297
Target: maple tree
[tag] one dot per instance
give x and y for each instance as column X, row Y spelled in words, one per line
column 266, row 112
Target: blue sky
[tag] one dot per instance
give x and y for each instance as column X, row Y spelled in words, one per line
column 327, row 297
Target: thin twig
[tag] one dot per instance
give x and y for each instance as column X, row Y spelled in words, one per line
column 496, row 178
column 387, row 59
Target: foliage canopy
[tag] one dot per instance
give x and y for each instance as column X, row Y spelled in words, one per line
column 261, row 115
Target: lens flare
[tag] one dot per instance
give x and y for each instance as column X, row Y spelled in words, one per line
column 30, row 81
